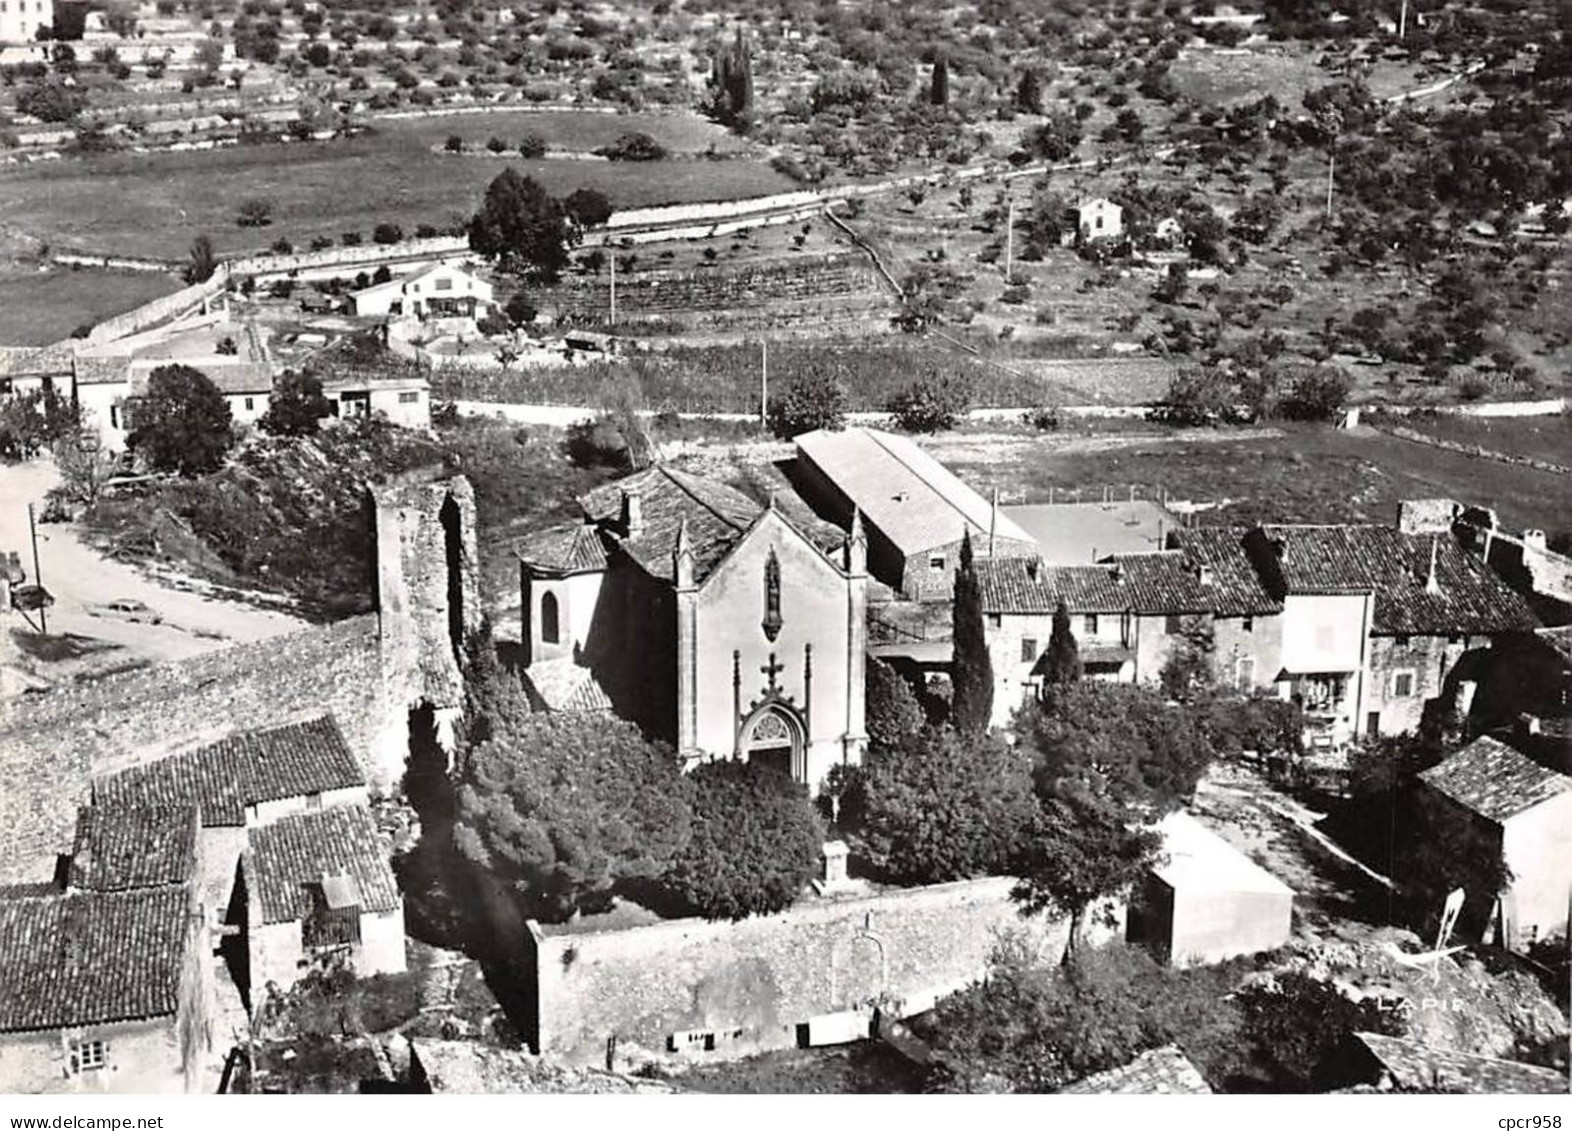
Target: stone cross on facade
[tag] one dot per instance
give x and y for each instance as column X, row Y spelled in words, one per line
column 772, row 669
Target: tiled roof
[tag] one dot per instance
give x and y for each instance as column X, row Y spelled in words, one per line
column 1160, row 1072
column 1494, row 780
column 243, row 769
column 562, row 685
column 1416, row 1067
column 1146, row 584
column 1237, row 590
column 88, row 958
column 114, row 369
column 306, row 848
column 1024, row 585
column 37, row 361
column 717, row 516
column 1253, row 570
column 572, row 548
column 123, row 849
column 910, row 497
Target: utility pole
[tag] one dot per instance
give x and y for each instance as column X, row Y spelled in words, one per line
column 1009, row 242
column 1331, row 167
column 1402, row 21
column 38, row 580
column 764, row 382
column 613, row 286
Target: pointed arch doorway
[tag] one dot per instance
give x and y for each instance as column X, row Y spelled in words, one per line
column 774, row 739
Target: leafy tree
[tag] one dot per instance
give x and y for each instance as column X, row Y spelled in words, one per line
column 1188, row 669
column 1057, row 139
column 633, row 146
column 519, row 309
column 31, row 421
column 297, row 406
column 254, row 213
column 1316, row 393
column 932, row 403
column 893, row 713
column 1029, row 92
column 1082, row 848
column 182, row 423
column 1062, row 663
column 521, row 227
column 84, row 465
column 1440, row 847
column 558, row 808
column 971, row 667
column 1129, row 126
column 815, row 398
column 1137, row 748
column 587, row 207
column 939, row 85
column 1297, row 1023
column 1036, row 1027
column 387, row 233
column 756, row 841
column 533, row 147
column 1198, row 395
column 50, row 101
column 939, row 807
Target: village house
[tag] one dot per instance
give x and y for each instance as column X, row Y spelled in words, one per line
column 21, row 19
column 106, row 979
column 1528, row 808
column 36, row 369
column 318, row 885
column 367, row 672
column 1127, row 614
column 442, row 290
column 1099, row 219
column 711, row 620
column 403, row 399
column 914, row 509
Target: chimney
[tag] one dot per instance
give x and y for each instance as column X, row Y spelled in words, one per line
column 1034, row 568
column 1433, row 586
column 632, row 512
column 1118, row 570
column 1203, row 574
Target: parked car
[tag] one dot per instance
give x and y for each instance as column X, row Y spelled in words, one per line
column 127, row 608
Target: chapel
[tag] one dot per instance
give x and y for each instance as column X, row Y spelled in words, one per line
column 711, row 620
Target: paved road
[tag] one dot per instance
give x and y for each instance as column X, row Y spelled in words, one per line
column 79, row 578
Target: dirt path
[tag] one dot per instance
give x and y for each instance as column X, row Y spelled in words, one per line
column 80, row 578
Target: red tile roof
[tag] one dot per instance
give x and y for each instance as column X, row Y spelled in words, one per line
column 88, row 958
column 1237, row 590
column 243, row 769
column 1417, row 1067
column 290, row 853
column 1160, row 1072
column 1146, row 584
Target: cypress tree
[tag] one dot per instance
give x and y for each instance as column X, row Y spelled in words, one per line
column 971, row 670
column 1029, row 94
column 939, row 92
column 1063, row 661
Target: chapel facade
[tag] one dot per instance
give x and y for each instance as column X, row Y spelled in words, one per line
column 712, row 621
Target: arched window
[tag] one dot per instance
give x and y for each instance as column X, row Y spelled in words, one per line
column 549, row 630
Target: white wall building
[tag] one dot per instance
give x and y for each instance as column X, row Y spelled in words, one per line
column 21, row 19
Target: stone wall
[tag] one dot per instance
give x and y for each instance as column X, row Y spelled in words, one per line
column 732, row 988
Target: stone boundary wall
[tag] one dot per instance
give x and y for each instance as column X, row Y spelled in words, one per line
column 361, row 256
column 1475, row 450
column 725, row 989
column 159, row 310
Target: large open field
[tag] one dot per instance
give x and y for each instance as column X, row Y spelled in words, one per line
column 39, row 307
column 154, row 204
column 1290, row 473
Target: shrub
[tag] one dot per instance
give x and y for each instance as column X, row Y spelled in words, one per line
column 495, row 144
column 755, row 845
column 387, row 233
column 254, row 213
column 1317, row 393
column 532, row 147
column 297, row 406
column 815, row 399
column 893, row 713
column 1044, row 418
column 931, row 403
column 633, row 147
column 454, row 144
column 596, row 443
column 350, row 239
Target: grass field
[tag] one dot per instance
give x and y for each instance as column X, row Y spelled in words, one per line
column 1291, row 473
column 1219, row 78
column 39, row 307
column 154, row 204
column 1540, row 437
column 569, row 130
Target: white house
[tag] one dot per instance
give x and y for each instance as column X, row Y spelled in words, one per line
column 404, row 399
column 440, row 291
column 1099, row 218
column 1530, row 808
column 21, row 19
